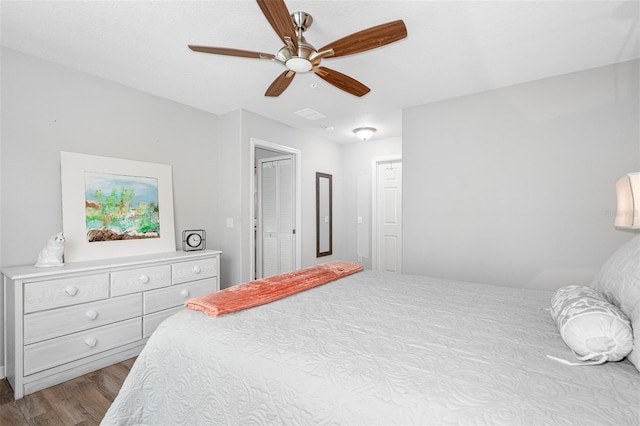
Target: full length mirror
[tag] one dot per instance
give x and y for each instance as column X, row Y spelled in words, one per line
column 324, row 214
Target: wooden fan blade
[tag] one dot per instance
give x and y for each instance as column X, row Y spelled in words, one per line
column 231, row 52
column 370, row 38
column 279, row 17
column 341, row 81
column 280, row 83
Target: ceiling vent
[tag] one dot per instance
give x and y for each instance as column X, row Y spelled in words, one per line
column 310, row 114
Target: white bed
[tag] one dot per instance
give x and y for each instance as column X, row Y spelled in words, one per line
column 375, row 348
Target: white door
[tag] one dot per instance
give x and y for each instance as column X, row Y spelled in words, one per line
column 388, row 214
column 276, row 217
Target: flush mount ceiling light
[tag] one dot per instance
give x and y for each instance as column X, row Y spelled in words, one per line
column 364, row 133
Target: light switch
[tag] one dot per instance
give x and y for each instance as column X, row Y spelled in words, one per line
column 359, row 219
column 326, row 219
column 229, row 222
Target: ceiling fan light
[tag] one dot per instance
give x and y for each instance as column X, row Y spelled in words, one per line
column 364, row 133
column 298, row 64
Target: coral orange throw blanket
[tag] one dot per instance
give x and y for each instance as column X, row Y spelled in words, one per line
column 267, row 290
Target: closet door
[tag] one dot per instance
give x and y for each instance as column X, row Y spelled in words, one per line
column 389, row 216
column 276, row 249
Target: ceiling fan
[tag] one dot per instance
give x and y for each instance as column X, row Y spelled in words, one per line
column 299, row 56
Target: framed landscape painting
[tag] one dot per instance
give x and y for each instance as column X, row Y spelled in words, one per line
column 114, row 207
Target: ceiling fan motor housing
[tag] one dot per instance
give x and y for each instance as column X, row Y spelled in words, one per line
column 301, row 60
column 305, row 57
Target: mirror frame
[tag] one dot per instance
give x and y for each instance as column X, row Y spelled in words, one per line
column 320, row 205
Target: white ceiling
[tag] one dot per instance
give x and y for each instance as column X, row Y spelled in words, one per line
column 453, row 48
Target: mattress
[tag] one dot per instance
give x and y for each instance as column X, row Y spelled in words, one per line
column 375, row 348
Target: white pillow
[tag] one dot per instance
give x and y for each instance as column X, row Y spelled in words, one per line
column 619, row 281
column 593, row 328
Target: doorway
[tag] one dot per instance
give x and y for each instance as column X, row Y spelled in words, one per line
column 275, row 203
column 387, row 214
column 275, row 227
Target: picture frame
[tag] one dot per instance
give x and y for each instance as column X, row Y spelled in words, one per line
column 143, row 194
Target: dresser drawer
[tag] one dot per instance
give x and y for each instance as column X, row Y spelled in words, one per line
column 58, row 322
column 142, row 279
column 41, row 295
column 176, row 295
column 151, row 322
column 194, row 270
column 54, row 352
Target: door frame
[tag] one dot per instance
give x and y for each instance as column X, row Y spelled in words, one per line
column 259, row 267
column 374, row 204
column 297, row 158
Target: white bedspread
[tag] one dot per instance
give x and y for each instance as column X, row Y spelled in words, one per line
column 375, row 348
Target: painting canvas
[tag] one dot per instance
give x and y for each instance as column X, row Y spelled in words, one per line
column 115, row 207
column 120, row 207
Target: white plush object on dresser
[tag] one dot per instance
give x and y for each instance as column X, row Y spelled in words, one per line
column 68, row 321
column 52, row 254
column 619, row 281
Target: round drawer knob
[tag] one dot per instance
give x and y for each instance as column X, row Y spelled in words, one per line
column 197, row 269
column 144, row 279
column 184, row 293
column 91, row 314
column 91, row 342
column 71, row 290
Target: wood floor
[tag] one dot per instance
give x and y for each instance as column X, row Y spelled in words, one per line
column 80, row 401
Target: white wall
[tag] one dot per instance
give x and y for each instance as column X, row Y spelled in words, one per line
column 317, row 155
column 234, row 171
column 357, row 161
column 229, row 196
column 47, row 109
column 516, row 186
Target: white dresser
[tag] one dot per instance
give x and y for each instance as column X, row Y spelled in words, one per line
column 63, row 322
